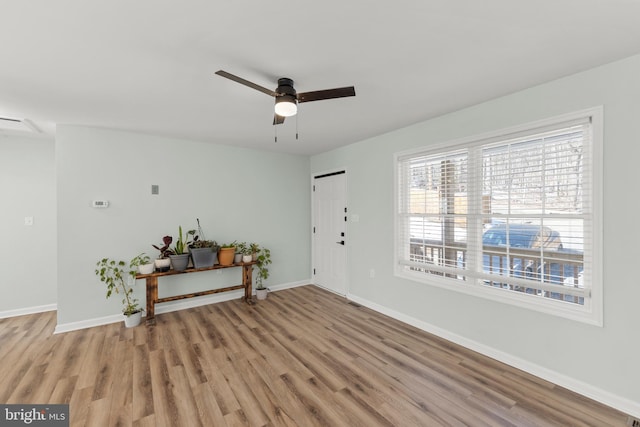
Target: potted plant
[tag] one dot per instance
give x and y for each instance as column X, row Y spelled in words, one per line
column 204, row 253
column 180, row 256
column 262, row 262
column 240, row 250
column 255, row 248
column 143, row 263
column 247, row 253
column 117, row 277
column 163, row 263
column 227, row 252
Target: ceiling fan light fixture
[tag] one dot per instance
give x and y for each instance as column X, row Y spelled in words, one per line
column 286, row 106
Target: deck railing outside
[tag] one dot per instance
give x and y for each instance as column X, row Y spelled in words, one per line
column 558, row 267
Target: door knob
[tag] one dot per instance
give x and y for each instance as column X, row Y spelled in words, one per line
column 341, row 242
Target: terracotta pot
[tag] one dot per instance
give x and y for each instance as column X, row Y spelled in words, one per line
column 226, row 255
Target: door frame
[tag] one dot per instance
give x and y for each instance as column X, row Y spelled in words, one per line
column 314, row 176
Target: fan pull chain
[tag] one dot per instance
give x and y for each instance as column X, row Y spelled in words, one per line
column 297, row 126
column 275, row 133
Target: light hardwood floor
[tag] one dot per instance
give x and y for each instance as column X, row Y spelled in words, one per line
column 303, row 357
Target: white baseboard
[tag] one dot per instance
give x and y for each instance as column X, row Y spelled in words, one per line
column 89, row 323
column 610, row 399
column 282, row 286
column 171, row 306
column 28, row 310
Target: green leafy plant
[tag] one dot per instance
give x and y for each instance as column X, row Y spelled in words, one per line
column 199, row 241
column 182, row 244
column 262, row 263
column 116, row 275
column 203, row 244
column 255, row 248
column 242, row 248
column 139, row 260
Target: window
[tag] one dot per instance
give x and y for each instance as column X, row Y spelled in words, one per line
column 511, row 216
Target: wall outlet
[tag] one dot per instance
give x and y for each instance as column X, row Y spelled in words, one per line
column 372, row 274
column 100, row 203
column 633, row 422
column 28, row 220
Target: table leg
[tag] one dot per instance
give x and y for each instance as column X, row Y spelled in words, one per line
column 247, row 281
column 152, row 297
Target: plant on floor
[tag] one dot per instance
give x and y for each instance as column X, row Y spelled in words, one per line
column 262, row 262
column 117, row 276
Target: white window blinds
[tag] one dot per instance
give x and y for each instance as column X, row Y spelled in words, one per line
column 512, row 212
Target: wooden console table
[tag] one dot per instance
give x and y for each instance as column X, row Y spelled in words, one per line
column 152, row 286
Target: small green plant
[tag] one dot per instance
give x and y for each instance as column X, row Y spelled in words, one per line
column 182, row 244
column 262, row 263
column 242, row 248
column 255, row 248
column 116, row 275
column 139, row 260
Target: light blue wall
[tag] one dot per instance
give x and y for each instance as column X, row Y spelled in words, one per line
column 238, row 194
column 273, row 208
column 28, row 253
column 604, row 358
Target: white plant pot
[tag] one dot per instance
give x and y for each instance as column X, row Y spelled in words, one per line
column 162, row 264
column 237, row 258
column 262, row 293
column 132, row 320
column 146, row 268
column 247, row 258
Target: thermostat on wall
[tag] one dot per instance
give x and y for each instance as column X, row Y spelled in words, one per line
column 100, row 204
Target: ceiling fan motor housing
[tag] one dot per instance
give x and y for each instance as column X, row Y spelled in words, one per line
column 285, row 87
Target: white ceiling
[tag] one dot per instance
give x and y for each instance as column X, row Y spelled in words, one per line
column 148, row 65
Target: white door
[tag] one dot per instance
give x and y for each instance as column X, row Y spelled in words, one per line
column 329, row 231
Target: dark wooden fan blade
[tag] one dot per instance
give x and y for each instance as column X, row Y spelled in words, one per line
column 246, row 82
column 277, row 120
column 319, row 95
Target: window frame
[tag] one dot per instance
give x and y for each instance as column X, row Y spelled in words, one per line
column 592, row 310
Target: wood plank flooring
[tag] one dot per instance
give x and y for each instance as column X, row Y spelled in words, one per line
column 303, row 357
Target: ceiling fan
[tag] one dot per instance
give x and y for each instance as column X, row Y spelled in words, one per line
column 287, row 98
